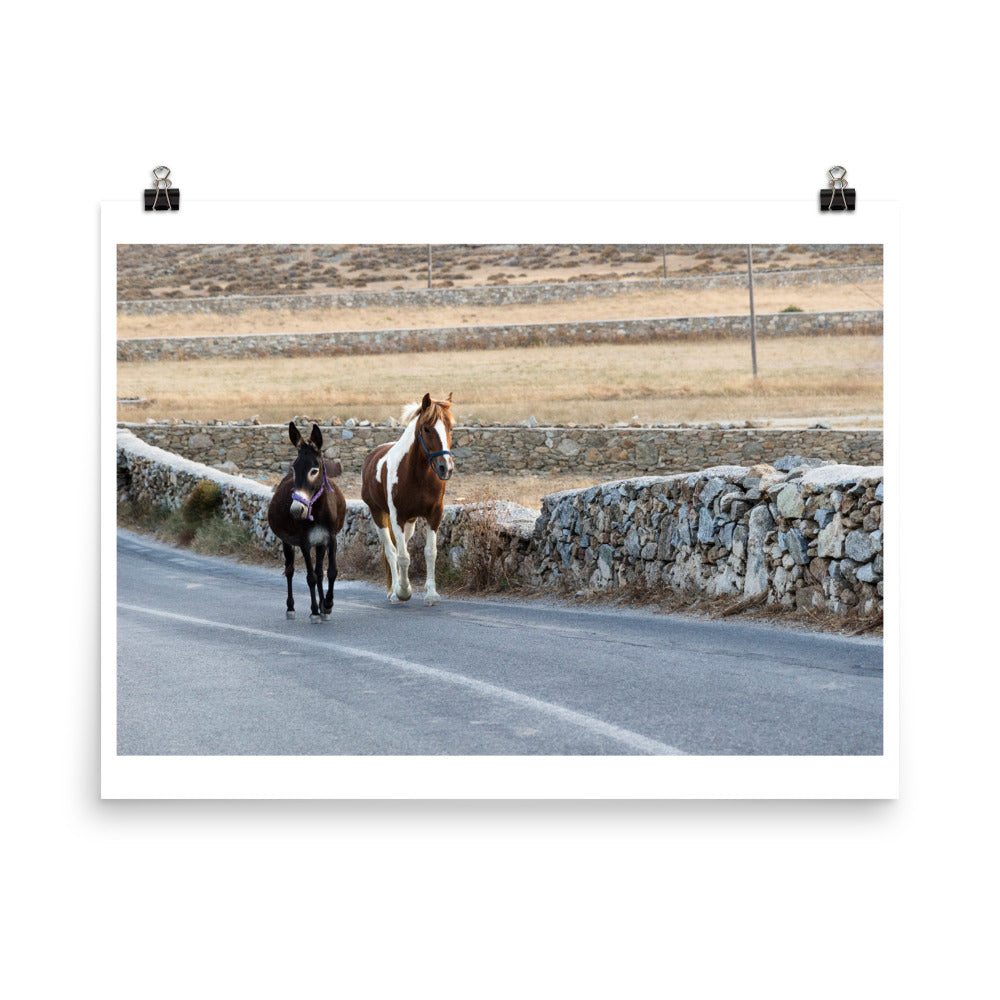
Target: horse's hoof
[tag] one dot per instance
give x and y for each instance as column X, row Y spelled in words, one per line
column 404, row 595
column 289, row 615
column 391, row 597
column 325, row 616
column 314, row 619
column 431, row 599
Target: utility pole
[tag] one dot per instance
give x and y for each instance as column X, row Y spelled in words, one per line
column 753, row 318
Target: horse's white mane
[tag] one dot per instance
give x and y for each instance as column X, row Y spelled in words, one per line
column 409, row 412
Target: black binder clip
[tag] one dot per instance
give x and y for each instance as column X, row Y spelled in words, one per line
column 838, row 197
column 164, row 197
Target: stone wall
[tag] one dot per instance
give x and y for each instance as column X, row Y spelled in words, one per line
column 150, row 476
column 263, row 450
column 487, row 295
column 798, row 535
column 867, row 321
column 801, row 537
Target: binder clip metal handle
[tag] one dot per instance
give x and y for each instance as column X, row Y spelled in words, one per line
column 838, row 197
column 163, row 197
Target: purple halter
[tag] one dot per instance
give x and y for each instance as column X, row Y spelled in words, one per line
column 308, row 503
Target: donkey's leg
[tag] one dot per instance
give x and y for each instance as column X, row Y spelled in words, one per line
column 332, row 575
column 289, row 553
column 430, row 556
column 311, row 579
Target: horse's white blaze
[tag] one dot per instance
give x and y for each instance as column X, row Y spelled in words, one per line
column 442, row 433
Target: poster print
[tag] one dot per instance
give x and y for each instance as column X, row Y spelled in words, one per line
column 498, row 517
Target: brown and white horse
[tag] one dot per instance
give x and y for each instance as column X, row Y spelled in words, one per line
column 406, row 480
column 307, row 511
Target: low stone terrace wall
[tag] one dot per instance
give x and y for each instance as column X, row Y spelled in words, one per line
column 465, row 338
column 263, row 450
column 561, row 291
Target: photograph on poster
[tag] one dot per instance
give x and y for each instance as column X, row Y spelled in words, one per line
column 520, row 500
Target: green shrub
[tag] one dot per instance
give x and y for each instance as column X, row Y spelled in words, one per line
column 203, row 502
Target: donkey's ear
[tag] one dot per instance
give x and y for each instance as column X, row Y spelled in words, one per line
column 317, row 437
column 426, row 403
column 293, row 434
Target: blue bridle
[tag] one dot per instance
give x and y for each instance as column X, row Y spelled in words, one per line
column 431, row 455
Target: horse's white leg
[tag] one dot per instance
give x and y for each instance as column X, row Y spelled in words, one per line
column 402, row 582
column 430, row 555
column 389, row 549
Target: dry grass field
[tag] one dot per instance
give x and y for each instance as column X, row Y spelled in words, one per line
column 805, row 377
column 801, row 380
column 638, row 304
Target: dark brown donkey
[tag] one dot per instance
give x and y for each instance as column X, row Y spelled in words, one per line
column 403, row 481
column 307, row 510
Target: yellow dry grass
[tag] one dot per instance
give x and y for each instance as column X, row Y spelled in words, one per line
column 627, row 305
column 799, row 377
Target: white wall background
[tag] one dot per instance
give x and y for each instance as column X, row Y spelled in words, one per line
column 522, row 100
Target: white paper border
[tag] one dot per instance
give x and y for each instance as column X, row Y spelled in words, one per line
column 421, row 222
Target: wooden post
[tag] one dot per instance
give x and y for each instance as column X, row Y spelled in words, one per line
column 753, row 318
column 664, row 261
column 428, row 265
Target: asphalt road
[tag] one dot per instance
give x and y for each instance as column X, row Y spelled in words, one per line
column 208, row 664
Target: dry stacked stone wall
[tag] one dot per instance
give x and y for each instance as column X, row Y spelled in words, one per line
column 494, row 336
column 487, row 295
column 262, row 450
column 801, row 534
column 151, row 477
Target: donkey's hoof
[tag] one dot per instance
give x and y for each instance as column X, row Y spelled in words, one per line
column 289, row 615
column 314, row 619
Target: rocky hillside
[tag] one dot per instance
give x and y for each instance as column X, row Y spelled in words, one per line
column 148, row 271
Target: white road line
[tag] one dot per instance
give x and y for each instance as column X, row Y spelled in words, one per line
column 634, row 741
